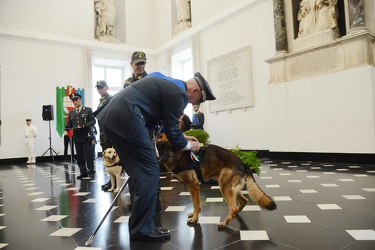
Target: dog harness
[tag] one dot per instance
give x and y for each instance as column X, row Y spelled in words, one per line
column 113, row 166
column 194, row 164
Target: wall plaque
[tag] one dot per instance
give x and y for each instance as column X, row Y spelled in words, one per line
column 230, row 79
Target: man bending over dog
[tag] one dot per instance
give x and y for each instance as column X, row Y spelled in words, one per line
column 144, row 103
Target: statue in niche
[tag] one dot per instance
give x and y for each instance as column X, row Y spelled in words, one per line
column 183, row 11
column 317, row 15
column 183, row 16
column 106, row 18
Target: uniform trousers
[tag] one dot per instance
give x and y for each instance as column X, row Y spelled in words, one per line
column 136, row 150
column 84, row 155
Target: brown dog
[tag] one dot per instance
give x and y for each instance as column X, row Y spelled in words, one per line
column 220, row 164
column 111, row 160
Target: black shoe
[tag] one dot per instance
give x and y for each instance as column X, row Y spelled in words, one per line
column 107, row 186
column 162, row 229
column 154, row 236
column 82, row 176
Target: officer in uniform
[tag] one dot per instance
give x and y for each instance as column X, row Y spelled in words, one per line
column 125, row 121
column 81, row 119
column 198, row 118
column 138, row 64
column 102, row 88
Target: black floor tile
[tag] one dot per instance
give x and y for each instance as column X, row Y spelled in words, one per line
column 346, row 193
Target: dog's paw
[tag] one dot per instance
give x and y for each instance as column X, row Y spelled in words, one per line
column 110, row 190
column 116, row 190
column 222, row 225
column 192, row 221
column 190, row 214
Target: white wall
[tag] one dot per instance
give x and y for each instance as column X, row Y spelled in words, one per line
column 30, row 73
column 70, row 18
column 243, row 128
column 330, row 113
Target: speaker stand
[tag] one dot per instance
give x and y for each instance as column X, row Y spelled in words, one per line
column 50, row 149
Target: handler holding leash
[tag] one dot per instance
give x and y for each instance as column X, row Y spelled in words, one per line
column 125, row 121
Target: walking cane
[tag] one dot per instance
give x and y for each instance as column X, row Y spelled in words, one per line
column 89, row 241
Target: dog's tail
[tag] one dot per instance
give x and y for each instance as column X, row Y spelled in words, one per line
column 257, row 195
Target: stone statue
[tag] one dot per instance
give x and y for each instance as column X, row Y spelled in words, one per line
column 327, row 18
column 183, row 16
column 317, row 15
column 306, row 17
column 183, row 11
column 106, row 18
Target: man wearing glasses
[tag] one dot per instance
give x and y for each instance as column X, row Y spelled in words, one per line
column 138, row 63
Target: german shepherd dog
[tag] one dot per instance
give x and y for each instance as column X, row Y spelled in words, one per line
column 215, row 163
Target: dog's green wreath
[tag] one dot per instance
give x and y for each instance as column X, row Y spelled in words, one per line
column 248, row 157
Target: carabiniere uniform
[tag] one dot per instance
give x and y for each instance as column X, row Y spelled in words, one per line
column 82, row 137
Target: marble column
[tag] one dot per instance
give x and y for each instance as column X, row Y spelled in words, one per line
column 356, row 15
column 280, row 26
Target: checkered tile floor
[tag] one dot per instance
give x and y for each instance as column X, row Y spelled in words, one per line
column 320, row 206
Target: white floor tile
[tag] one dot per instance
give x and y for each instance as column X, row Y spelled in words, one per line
column 46, row 208
column 91, row 200
column 353, row 197
column 166, row 188
column 65, row 232
column 294, row 181
column 175, row 208
column 328, row 185
column 209, row 219
column 346, row 180
column 265, row 177
column 185, row 193
column 297, row 219
column 122, row 219
column 88, row 248
column 328, row 206
column 35, row 193
column 40, row 200
column 219, row 199
column 369, row 189
column 362, row 234
column 55, row 218
column 254, row 235
column 308, row 191
column 273, row 186
column 282, row 198
column 252, row 208
column 81, row 194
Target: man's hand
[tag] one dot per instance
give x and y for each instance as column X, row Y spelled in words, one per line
column 191, row 138
column 195, row 145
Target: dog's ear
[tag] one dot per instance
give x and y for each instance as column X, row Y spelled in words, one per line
column 104, row 152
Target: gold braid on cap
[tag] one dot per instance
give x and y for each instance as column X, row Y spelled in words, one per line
column 203, row 98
